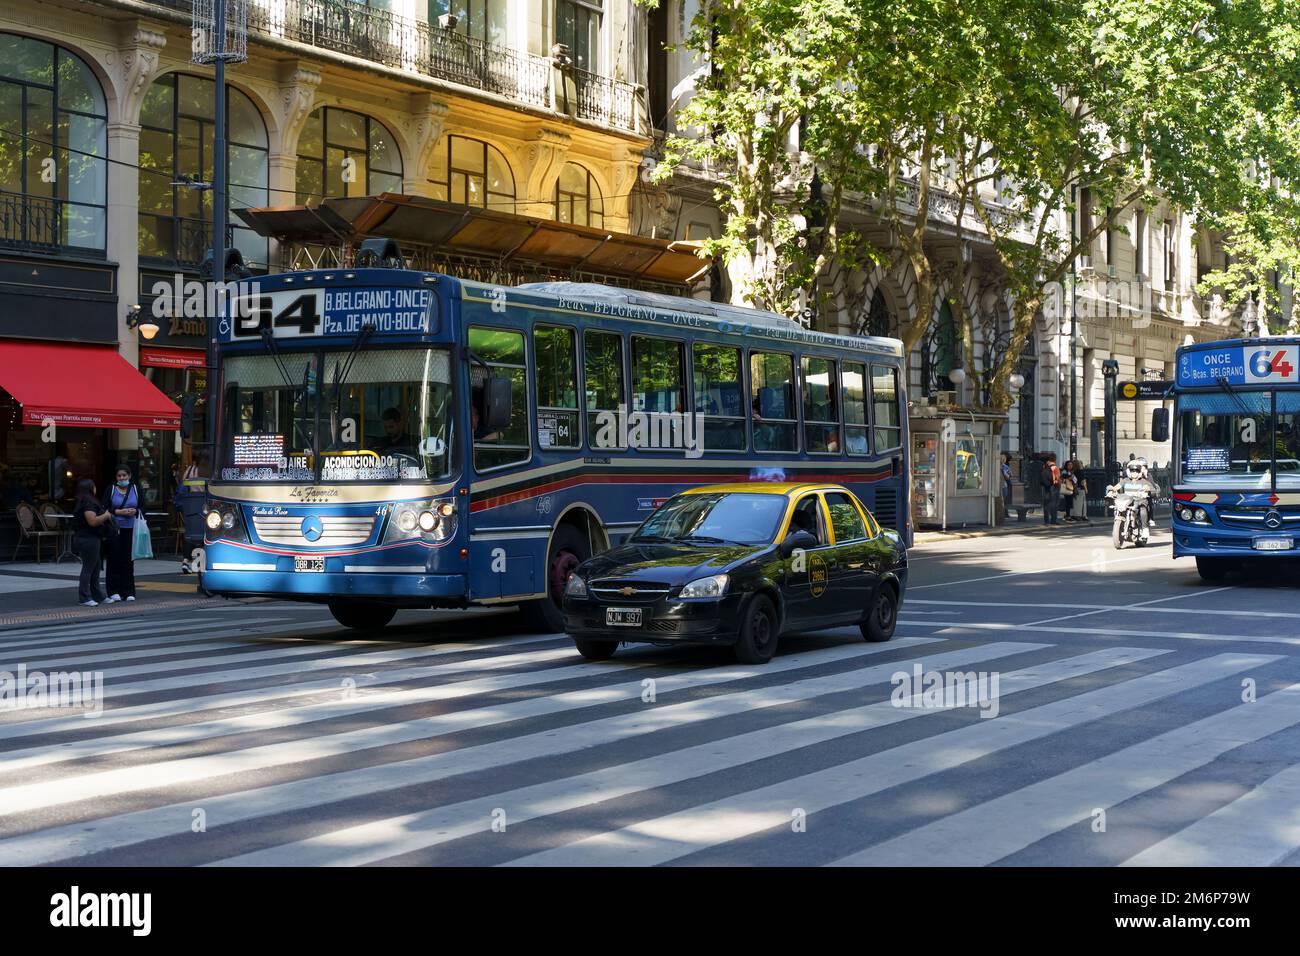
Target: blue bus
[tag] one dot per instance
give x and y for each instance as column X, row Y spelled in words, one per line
column 398, row 439
column 1236, row 491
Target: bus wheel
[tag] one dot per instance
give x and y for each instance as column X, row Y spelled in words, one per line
column 362, row 615
column 1213, row 569
column 568, row 550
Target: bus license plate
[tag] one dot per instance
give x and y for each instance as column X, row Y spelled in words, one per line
column 1274, row 544
column 309, row 563
column 622, row 617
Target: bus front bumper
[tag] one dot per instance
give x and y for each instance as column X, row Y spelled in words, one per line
column 1210, row 541
column 407, row 589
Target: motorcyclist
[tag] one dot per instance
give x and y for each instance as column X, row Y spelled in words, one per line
column 1137, row 479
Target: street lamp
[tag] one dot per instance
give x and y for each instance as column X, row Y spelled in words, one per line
column 1016, row 381
column 957, row 376
column 147, row 327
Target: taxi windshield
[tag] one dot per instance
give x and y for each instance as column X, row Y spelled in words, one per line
column 715, row 517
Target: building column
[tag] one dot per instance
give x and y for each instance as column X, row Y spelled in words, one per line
column 425, row 122
column 545, row 157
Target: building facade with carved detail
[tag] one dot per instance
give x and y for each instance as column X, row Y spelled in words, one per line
column 532, row 108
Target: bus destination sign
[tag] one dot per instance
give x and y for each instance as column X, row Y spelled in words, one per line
column 1240, row 365
column 310, row 313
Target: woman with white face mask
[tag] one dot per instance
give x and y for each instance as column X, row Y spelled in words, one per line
column 123, row 502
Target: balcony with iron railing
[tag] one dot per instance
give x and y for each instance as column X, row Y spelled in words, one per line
column 426, row 49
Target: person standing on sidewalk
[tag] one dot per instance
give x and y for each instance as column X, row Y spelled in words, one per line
column 89, row 524
column 123, row 501
column 1079, row 510
column 1005, row 474
column 1050, row 479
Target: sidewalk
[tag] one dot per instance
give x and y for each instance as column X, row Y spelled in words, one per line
column 46, row 593
column 1028, row 526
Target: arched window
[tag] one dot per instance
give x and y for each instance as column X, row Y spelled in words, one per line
column 880, row 321
column 177, row 137
column 940, row 352
column 342, row 153
column 577, row 198
column 53, row 183
column 472, row 173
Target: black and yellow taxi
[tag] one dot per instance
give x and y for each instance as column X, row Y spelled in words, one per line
column 741, row 565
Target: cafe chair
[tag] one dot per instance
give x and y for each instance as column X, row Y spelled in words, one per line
column 31, row 527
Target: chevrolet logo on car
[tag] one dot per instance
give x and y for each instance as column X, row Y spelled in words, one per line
column 627, row 592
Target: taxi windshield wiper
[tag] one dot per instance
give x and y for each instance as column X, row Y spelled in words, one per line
column 705, row 537
column 651, row 537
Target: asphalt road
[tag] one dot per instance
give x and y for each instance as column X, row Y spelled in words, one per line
column 1129, row 714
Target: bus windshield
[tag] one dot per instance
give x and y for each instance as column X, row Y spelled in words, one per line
column 1234, row 439
column 312, row 416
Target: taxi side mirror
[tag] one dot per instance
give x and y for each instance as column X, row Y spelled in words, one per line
column 797, row 540
column 1160, row 424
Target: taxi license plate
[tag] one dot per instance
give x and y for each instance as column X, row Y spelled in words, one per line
column 309, row 563
column 622, row 617
column 1274, row 544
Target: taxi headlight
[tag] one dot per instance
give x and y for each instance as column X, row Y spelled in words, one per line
column 575, row 587
column 213, row 520
column 714, row 586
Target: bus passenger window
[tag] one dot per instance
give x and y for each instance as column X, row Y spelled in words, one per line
column 821, row 406
column 557, row 387
column 602, row 368
column 719, row 397
column 503, row 352
column 657, row 376
column 853, row 375
column 884, row 406
column 771, row 400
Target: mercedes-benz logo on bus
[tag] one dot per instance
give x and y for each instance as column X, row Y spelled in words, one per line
column 1273, row 520
column 312, row 527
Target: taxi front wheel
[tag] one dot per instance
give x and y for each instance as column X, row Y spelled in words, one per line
column 758, row 632
column 883, row 616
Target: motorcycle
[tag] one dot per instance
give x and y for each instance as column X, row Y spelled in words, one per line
column 1131, row 502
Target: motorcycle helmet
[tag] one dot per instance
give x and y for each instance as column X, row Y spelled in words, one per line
column 1134, row 469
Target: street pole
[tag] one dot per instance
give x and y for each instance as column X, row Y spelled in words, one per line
column 1074, row 333
column 1110, row 369
column 218, row 225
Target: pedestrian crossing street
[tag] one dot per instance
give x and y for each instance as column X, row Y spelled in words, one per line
column 266, row 735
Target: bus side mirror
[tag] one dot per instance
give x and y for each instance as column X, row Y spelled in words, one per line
column 496, row 403
column 1160, row 424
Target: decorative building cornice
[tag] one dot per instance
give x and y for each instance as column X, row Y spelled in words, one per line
column 546, row 154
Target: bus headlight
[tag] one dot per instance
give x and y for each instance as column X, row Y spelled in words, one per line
column 1200, row 515
column 422, row 520
column 223, row 520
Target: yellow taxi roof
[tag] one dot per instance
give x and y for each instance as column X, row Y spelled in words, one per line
column 759, row 487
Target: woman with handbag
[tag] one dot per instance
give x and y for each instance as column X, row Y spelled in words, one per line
column 90, row 523
column 123, row 502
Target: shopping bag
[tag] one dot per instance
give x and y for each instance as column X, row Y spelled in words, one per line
column 141, row 546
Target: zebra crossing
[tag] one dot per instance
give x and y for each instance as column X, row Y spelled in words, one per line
column 268, row 736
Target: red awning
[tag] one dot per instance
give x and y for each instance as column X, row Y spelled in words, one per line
column 82, row 385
